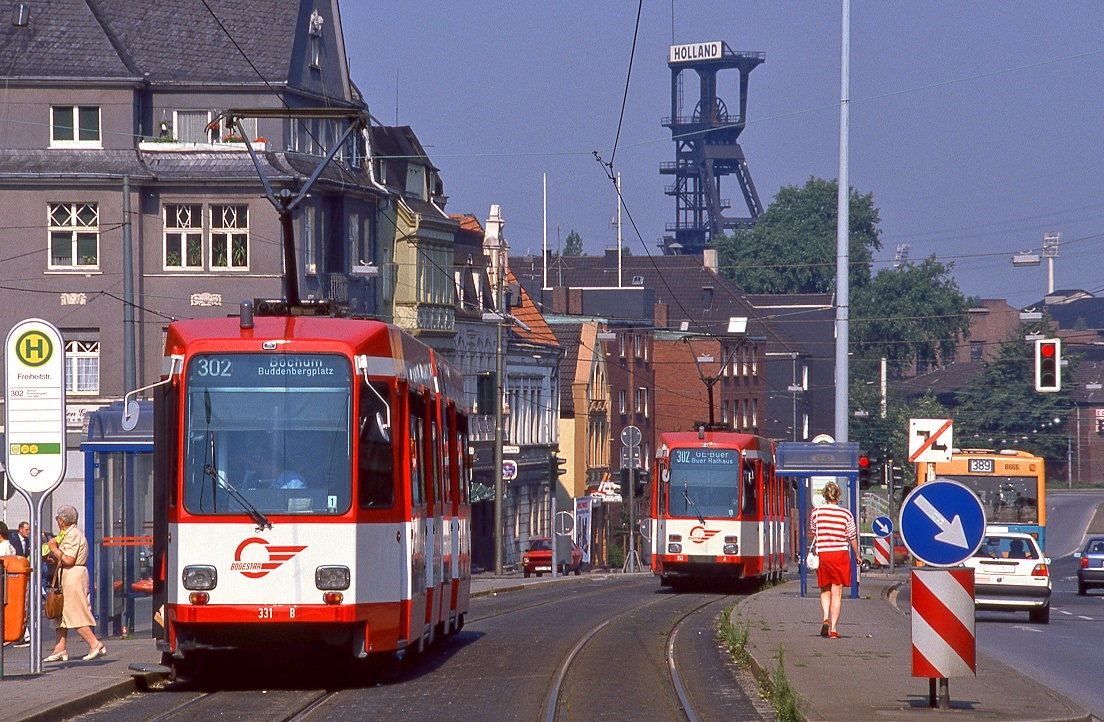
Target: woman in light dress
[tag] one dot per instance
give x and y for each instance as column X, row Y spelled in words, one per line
column 71, row 553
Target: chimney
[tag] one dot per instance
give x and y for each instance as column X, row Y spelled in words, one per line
column 709, row 259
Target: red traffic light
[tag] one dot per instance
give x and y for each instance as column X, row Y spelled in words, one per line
column 864, row 461
column 1046, row 349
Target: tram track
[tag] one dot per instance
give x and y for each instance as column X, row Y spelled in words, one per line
column 524, row 608
column 269, row 706
column 551, row 710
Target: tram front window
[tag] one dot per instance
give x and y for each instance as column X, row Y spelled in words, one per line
column 704, row 482
column 274, row 429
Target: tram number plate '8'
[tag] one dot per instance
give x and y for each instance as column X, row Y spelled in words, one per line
column 266, row 613
column 981, row 466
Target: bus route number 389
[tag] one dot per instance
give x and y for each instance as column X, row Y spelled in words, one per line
column 981, row 466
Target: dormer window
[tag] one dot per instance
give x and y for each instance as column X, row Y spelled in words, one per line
column 315, row 33
column 75, row 126
column 638, row 280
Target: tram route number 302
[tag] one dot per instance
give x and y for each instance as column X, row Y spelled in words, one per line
column 981, row 466
column 266, row 613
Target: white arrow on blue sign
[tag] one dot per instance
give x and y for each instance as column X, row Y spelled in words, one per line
column 882, row 526
column 942, row 523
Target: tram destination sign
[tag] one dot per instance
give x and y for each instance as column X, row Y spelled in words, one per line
column 34, row 409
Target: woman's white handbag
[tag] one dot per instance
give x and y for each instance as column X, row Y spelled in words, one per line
column 812, row 561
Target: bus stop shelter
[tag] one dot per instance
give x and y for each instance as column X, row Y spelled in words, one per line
column 812, row 466
column 118, row 500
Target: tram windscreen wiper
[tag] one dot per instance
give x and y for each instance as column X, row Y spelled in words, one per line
column 255, row 514
column 686, row 495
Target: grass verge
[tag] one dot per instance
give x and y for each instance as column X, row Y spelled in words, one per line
column 774, row 684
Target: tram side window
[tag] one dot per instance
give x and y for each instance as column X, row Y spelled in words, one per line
column 464, row 460
column 435, row 461
column 417, row 451
column 750, row 495
column 446, row 434
column 376, row 464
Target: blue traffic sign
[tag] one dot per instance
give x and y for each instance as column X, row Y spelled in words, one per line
column 882, row 526
column 942, row 523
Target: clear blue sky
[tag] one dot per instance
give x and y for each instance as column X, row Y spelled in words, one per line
column 978, row 125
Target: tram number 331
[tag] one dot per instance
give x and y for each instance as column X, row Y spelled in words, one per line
column 266, row 613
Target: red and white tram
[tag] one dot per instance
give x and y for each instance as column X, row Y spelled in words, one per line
column 717, row 508
column 312, row 483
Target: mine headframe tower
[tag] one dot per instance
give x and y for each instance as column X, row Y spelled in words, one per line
column 706, row 148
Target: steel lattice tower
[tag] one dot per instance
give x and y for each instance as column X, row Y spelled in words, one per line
column 706, row 148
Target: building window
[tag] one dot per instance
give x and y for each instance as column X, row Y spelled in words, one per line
column 724, row 412
column 315, row 33
column 184, row 236
column 230, row 237
column 191, row 126
column 622, row 339
column 754, row 413
column 642, row 401
column 75, row 126
column 74, row 235
column 977, row 351
column 754, row 354
column 622, row 401
column 638, row 345
column 82, row 367
column 309, row 242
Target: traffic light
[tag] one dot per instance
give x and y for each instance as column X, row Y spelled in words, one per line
column 557, row 467
column 1100, row 426
column 897, row 475
column 6, row 487
column 485, row 394
column 864, row 472
column 1048, row 365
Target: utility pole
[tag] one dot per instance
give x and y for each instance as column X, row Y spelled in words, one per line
column 500, row 364
column 843, row 200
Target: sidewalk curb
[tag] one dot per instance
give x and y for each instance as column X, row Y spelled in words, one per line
column 86, row 703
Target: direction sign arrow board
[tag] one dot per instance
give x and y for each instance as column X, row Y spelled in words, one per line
column 930, row 440
column 882, row 526
column 34, row 363
column 942, row 523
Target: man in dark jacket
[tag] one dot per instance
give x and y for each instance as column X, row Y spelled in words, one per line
column 21, row 539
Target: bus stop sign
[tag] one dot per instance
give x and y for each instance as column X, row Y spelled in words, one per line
column 34, row 364
column 942, row 523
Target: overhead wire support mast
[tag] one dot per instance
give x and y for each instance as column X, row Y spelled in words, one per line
column 284, row 201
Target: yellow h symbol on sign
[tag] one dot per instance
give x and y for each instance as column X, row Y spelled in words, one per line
column 34, row 348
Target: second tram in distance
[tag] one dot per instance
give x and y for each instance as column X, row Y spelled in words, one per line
column 718, row 508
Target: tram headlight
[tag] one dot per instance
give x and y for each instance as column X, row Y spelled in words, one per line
column 674, row 549
column 200, row 577
column 731, row 549
column 331, row 578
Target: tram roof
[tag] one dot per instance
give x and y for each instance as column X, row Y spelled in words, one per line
column 267, row 328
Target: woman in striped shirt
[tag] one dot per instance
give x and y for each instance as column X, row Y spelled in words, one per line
column 834, row 533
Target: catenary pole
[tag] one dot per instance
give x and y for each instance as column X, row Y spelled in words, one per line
column 842, row 236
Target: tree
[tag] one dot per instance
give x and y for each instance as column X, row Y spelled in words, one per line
column 1000, row 408
column 888, row 438
column 792, row 247
column 573, row 245
column 914, row 312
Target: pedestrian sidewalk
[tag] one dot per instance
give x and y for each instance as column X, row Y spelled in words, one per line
column 867, row 673
column 67, row 689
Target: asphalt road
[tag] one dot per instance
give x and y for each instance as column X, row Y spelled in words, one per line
column 597, row 648
column 1065, row 654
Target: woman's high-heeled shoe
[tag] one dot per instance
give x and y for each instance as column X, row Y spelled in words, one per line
column 97, row 652
column 58, row 657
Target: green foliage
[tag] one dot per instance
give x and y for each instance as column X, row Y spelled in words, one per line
column 1001, row 409
column 573, row 245
column 888, row 438
column 616, row 554
column 792, row 247
column 782, row 694
column 734, row 636
column 909, row 313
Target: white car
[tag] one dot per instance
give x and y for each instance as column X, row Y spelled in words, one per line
column 1010, row 574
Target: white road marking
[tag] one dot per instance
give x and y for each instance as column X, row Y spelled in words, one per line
column 1030, row 629
column 1063, row 611
column 1082, row 616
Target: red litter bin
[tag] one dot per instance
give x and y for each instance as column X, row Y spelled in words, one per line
column 17, row 570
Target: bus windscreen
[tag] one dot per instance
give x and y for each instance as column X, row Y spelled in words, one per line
column 1007, row 499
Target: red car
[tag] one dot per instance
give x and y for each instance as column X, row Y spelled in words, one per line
column 538, row 559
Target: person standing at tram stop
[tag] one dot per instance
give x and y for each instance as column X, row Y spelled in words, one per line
column 7, row 549
column 71, row 554
column 836, row 537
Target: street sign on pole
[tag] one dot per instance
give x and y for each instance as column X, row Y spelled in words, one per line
column 34, row 362
column 882, row 526
column 942, row 523
column 930, row 440
column 630, row 436
column 509, row 469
